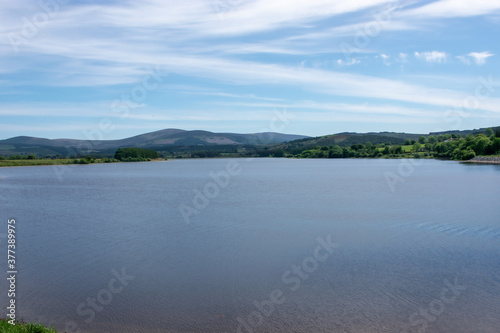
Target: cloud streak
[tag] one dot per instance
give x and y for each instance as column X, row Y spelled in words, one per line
column 256, row 50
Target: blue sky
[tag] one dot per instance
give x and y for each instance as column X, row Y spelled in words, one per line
column 113, row 69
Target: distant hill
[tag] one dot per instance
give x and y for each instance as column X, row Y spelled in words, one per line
column 177, row 140
column 466, row 132
column 347, row 139
column 160, row 140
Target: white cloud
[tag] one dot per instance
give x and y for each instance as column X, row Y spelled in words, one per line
column 350, row 62
column 433, row 56
column 385, row 59
column 454, row 8
column 403, row 57
column 479, row 58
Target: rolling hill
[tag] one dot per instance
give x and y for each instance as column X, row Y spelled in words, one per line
column 177, row 140
column 167, row 139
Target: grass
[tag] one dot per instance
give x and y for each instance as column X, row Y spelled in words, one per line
column 407, row 149
column 10, row 163
column 5, row 327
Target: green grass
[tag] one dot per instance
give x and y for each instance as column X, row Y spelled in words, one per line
column 61, row 161
column 407, row 149
column 9, row 163
column 5, row 327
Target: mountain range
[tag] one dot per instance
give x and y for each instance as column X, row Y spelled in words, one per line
column 164, row 140
column 175, row 140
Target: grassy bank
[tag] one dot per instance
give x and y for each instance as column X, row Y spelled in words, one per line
column 24, row 328
column 10, row 163
column 67, row 161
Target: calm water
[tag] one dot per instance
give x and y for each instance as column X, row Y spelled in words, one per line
column 422, row 255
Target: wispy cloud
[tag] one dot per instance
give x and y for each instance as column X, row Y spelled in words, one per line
column 385, row 59
column 251, row 53
column 433, row 56
column 454, row 8
column 350, row 62
column 479, row 58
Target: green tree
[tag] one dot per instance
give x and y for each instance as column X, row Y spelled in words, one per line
column 135, row 154
column 279, row 153
column 495, row 144
column 422, row 140
column 432, row 139
column 488, row 132
column 336, row 152
column 480, row 144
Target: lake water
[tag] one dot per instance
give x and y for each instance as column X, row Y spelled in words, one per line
column 273, row 245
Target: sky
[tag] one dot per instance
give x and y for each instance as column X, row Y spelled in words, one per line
column 113, row 69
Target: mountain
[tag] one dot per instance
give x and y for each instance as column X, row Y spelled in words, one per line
column 177, row 141
column 347, row 139
column 466, row 132
column 167, row 139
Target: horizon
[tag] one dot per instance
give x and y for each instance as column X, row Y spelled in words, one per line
column 184, row 130
column 115, row 70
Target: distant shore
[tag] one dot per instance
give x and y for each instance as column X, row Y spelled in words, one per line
column 484, row 160
column 45, row 162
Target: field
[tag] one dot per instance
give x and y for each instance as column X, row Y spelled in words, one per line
column 10, row 163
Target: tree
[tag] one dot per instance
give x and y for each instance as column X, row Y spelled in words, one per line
column 135, row 154
column 407, row 142
column 279, row 153
column 488, row 132
column 481, row 142
column 336, row 152
column 422, row 140
column 432, row 139
column 495, row 143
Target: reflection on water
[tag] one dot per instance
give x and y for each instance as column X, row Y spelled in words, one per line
column 106, row 249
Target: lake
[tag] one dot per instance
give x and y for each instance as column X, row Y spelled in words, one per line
column 262, row 245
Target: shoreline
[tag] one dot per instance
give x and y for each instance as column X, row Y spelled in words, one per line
column 65, row 162
column 494, row 160
column 484, row 160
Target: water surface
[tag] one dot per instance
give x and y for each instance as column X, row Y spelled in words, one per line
column 398, row 248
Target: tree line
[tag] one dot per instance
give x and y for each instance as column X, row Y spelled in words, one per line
column 135, row 154
column 445, row 146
